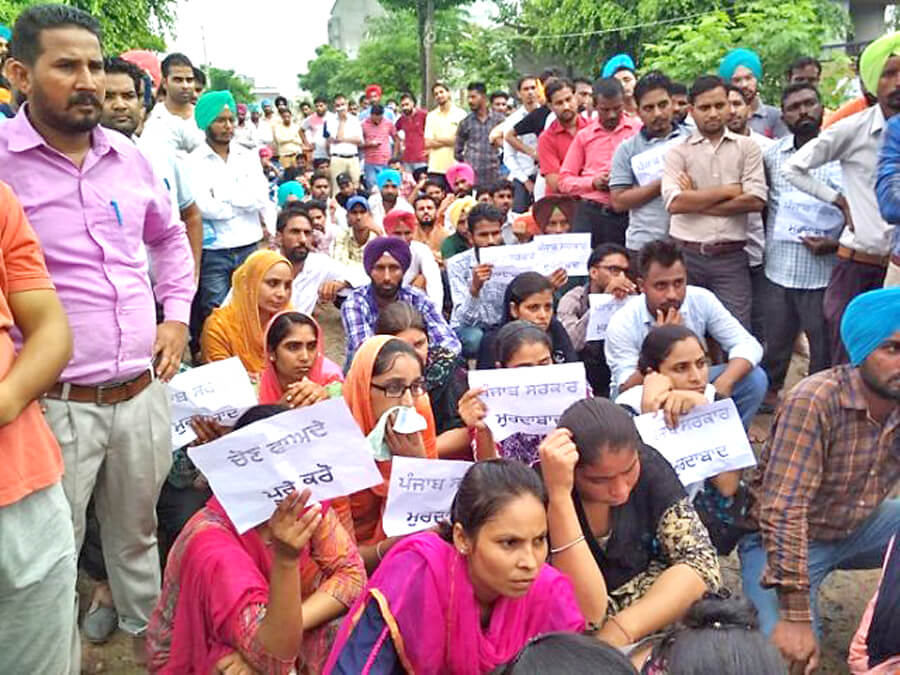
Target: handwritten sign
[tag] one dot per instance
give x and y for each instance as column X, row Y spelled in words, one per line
column 648, row 165
column 708, row 440
column 801, row 215
column 319, row 447
column 220, row 389
column 603, row 306
column 545, row 254
column 420, row 493
column 528, row 400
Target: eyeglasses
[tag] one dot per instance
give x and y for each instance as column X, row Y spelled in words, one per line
column 615, row 270
column 396, row 390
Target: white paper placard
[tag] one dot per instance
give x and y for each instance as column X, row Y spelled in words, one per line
column 528, row 400
column 221, row 389
column 603, row 306
column 708, row 440
column 802, row 215
column 648, row 165
column 545, row 254
column 420, row 493
column 319, row 447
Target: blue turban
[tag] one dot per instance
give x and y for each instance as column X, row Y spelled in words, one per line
column 740, row 57
column 357, row 199
column 870, row 319
column 388, row 176
column 210, row 105
column 617, row 63
column 289, row 188
column 266, row 102
column 395, row 247
column 5, row 32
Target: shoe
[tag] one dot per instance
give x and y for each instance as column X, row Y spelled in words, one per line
column 99, row 623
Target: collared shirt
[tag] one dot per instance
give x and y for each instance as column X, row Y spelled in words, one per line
column 701, row 311
column 554, row 143
column 182, row 135
column 366, row 112
column 352, row 129
column 574, row 313
column 97, row 224
column 888, row 185
column 650, row 221
column 473, row 146
column 854, row 142
column 413, row 128
column 287, row 138
column 766, row 120
column 439, row 124
column 520, row 165
column 360, row 312
column 346, row 249
column 376, row 208
column 382, row 134
column 424, row 264
column 485, row 311
column 734, row 159
column 247, row 135
column 590, row 155
column 172, row 169
column 826, row 467
column 789, row 263
column 317, row 269
column 232, row 195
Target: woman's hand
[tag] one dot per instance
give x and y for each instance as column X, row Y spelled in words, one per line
column 404, row 445
column 303, row 393
column 558, row 459
column 472, row 409
column 656, row 389
column 558, row 279
column 207, row 429
column 680, row 402
column 233, row 664
column 291, row 526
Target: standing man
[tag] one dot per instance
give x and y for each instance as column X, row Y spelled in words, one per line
column 344, row 135
column 411, row 127
column 473, row 143
column 372, row 98
column 586, row 169
column 245, row 132
column 554, row 143
column 710, row 183
column 742, row 68
column 888, row 187
column 584, row 96
column 172, row 123
column 865, row 243
column 522, row 165
column 805, row 70
column 440, row 131
column 313, row 125
column 100, row 212
column 379, row 135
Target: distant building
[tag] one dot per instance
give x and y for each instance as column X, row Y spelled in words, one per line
column 347, row 23
column 262, row 92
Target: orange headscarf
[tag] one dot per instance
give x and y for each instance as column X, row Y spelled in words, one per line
column 234, row 329
column 367, row 505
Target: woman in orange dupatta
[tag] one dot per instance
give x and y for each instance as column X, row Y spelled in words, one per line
column 385, row 373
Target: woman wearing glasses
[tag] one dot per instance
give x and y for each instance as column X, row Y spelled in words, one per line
column 386, row 383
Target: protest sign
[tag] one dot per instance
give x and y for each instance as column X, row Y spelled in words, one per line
column 545, row 254
column 220, row 389
column 648, row 165
column 801, row 215
column 708, row 440
column 602, row 307
column 319, row 447
column 528, row 400
column 420, row 493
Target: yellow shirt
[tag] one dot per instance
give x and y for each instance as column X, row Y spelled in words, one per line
column 442, row 125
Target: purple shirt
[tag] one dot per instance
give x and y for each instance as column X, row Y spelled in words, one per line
column 96, row 225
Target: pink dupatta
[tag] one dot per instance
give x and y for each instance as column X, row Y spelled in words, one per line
column 429, row 604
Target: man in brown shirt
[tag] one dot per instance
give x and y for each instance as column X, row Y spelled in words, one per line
column 710, row 183
column 824, row 477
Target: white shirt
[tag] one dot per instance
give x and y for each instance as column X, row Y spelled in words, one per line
column 352, row 129
column 182, row 135
column 376, row 208
column 521, row 166
column 247, row 135
column 318, row 269
column 756, row 231
column 423, row 263
column 264, row 131
column 231, row 196
column 173, row 172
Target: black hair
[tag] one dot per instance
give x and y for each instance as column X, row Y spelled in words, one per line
column 733, row 88
column 798, row 86
column 500, row 185
column 363, row 99
column 664, row 252
column 608, row 87
column 703, row 84
column 563, row 653
column 483, row 189
column 418, row 172
column 25, row 45
column 803, row 62
column 320, row 175
column 175, row 59
column 480, row 87
column 436, row 182
column 280, row 99
column 603, row 250
column 482, row 212
column 318, row 163
column 408, row 95
column 377, row 109
column 550, row 71
column 420, row 196
column 486, row 488
column 388, row 354
column 522, row 287
column 658, row 344
column 117, row 65
column 498, row 94
column 677, row 89
column 306, row 103
column 337, row 96
column 651, row 82
column 598, row 424
column 199, row 77
column 257, row 413
column 556, row 84
column 317, row 204
column 522, row 80
column 515, row 334
column 288, row 211
column 440, row 84
column 398, row 317
column 581, row 79
column 282, row 324
column 320, row 99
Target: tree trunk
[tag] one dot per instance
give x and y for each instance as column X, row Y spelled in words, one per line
column 428, row 44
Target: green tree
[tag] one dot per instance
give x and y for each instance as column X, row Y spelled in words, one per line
column 240, row 87
column 326, row 74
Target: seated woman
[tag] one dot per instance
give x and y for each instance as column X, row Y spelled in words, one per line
column 231, row 597
column 386, row 373
column 529, row 297
column 260, row 288
column 567, row 653
column 445, row 376
column 621, row 525
column 468, row 599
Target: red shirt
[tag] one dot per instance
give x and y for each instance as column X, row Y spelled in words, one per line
column 553, row 145
column 413, row 127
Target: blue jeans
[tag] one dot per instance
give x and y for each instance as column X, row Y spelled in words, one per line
column 470, row 336
column 371, row 174
column 748, row 392
column 863, row 549
column 216, row 268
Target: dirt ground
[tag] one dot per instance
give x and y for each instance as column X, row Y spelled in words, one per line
column 843, row 596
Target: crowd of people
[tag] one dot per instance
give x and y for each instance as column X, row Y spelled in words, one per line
column 187, row 229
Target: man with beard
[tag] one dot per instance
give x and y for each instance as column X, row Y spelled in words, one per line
column 586, row 168
column 232, row 194
column 411, row 124
column 822, row 493
column 584, row 96
column 666, row 298
column 641, row 195
column 99, row 212
column 441, row 125
column 521, row 164
column 473, row 142
column 386, row 260
column 680, row 104
column 554, row 143
column 172, row 123
column 388, row 197
column 865, row 243
column 742, row 68
column 800, row 250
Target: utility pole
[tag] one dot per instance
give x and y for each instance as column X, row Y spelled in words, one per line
column 427, row 36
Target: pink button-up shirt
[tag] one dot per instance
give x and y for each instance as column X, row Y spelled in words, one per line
column 96, row 225
column 590, row 154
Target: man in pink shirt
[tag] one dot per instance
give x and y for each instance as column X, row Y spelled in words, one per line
column 378, row 135
column 585, row 170
column 99, row 212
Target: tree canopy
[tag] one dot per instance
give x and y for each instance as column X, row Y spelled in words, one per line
column 239, row 86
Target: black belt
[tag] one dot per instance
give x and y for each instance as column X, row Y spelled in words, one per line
column 344, row 156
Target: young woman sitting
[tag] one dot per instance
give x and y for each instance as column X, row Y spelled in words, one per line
column 468, row 599
column 260, row 289
column 530, row 297
column 621, row 525
column 266, row 598
column 567, row 653
column 386, row 373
